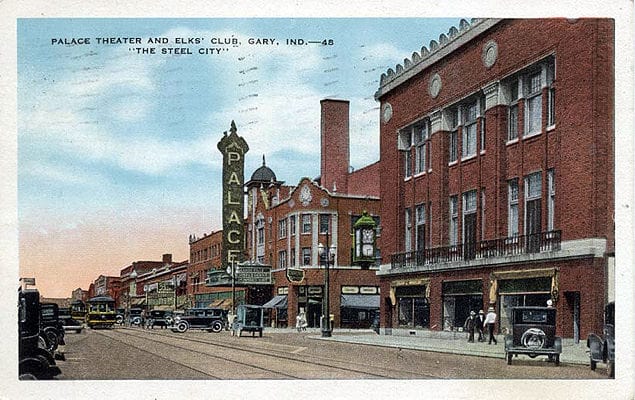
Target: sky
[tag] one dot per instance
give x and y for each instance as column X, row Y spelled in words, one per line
column 117, row 156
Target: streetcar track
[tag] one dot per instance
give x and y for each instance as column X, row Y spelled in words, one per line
column 199, row 353
column 273, row 354
column 162, row 357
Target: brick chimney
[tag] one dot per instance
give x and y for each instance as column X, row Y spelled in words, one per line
column 167, row 259
column 334, row 137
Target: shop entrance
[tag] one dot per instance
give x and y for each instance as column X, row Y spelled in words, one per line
column 413, row 308
column 310, row 300
column 459, row 298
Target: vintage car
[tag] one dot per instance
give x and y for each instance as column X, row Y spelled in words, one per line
column 120, row 316
column 52, row 329
column 249, row 318
column 35, row 362
column 602, row 349
column 159, row 318
column 210, row 319
column 533, row 334
column 135, row 317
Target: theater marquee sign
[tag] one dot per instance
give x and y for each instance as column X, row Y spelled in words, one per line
column 233, row 148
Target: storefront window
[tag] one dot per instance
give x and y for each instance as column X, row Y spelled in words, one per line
column 414, row 309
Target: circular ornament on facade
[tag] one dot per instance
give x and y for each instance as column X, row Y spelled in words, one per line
column 324, row 202
column 291, row 203
column 490, row 53
column 386, row 112
column 435, row 85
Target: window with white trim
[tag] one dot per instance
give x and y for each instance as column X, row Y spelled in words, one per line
column 454, row 220
column 533, row 103
column 282, row 259
column 324, row 223
column 512, row 112
column 469, row 129
column 306, row 223
column 551, row 204
column 453, row 123
column 293, row 263
column 306, row 256
column 292, row 224
column 408, row 231
column 422, row 136
column 512, row 207
column 533, row 206
column 420, row 216
column 282, row 229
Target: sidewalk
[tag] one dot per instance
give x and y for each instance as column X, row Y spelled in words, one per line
column 443, row 342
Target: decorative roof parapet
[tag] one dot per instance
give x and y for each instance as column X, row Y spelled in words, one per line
column 446, row 45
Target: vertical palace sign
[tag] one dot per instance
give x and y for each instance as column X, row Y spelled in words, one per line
column 233, row 148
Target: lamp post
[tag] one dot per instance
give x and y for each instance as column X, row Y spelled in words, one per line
column 231, row 270
column 327, row 254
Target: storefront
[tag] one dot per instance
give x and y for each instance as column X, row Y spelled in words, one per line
column 310, row 300
column 411, row 298
column 278, row 306
column 459, row 298
column 522, row 288
column 359, row 307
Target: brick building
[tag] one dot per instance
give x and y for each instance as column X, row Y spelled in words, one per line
column 497, row 180
column 205, row 257
column 107, row 286
column 79, row 294
column 286, row 223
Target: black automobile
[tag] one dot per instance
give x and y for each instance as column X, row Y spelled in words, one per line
column 602, row 349
column 135, row 317
column 52, row 329
column 120, row 318
column 159, row 318
column 35, row 362
column 209, row 319
column 533, row 334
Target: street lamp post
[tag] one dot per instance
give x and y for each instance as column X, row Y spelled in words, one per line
column 327, row 254
column 231, row 270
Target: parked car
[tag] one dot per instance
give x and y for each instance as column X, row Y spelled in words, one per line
column 533, row 334
column 602, row 349
column 135, row 317
column 52, row 329
column 160, row 318
column 120, row 317
column 209, row 319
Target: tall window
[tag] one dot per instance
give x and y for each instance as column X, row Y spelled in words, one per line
column 512, row 207
column 469, row 224
column 421, row 227
column 551, row 205
column 282, row 259
column 422, row 134
column 407, row 159
column 512, row 118
column 551, row 94
column 324, row 223
column 306, row 223
column 533, row 210
column 306, row 256
column 292, row 224
column 533, row 103
column 260, row 232
column 282, row 229
column 408, row 232
column 469, row 130
column 454, row 220
column 293, row 261
column 453, row 122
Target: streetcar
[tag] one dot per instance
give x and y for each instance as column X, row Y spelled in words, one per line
column 78, row 310
column 101, row 312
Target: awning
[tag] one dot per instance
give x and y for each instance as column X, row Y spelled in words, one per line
column 279, row 301
column 138, row 301
column 163, row 308
column 216, row 303
column 360, row 301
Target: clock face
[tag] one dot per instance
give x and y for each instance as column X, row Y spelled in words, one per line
column 367, row 236
column 367, row 250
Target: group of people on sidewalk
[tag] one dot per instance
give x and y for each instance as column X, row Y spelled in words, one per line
column 478, row 323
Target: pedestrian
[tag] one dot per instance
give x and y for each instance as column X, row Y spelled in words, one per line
column 490, row 321
column 300, row 321
column 469, row 326
column 480, row 325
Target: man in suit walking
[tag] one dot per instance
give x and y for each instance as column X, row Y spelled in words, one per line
column 480, row 325
column 490, row 321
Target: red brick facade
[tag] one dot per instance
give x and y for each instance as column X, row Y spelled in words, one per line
column 554, row 78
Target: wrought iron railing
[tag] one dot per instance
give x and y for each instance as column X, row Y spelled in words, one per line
column 508, row 246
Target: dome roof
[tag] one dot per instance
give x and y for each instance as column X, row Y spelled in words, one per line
column 263, row 174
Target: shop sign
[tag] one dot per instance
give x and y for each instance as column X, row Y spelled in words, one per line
column 253, row 275
column 350, row 289
column 295, row 274
column 368, row 290
column 283, row 290
column 315, row 289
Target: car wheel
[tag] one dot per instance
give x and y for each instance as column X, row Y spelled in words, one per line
column 52, row 340
column 594, row 365
column 181, row 327
column 610, row 369
column 27, row 377
column 509, row 358
column 217, row 326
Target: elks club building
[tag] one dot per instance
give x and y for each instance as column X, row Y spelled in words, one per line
column 497, row 175
column 286, row 224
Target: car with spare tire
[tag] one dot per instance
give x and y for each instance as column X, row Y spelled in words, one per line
column 210, row 319
column 533, row 334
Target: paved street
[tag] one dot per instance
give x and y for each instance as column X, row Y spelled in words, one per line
column 133, row 353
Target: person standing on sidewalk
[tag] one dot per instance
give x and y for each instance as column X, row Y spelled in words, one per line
column 480, row 325
column 490, row 321
column 470, row 325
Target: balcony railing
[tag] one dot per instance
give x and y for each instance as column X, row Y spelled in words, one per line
column 509, row 246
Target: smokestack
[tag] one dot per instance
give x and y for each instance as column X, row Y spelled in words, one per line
column 335, row 143
column 167, row 259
